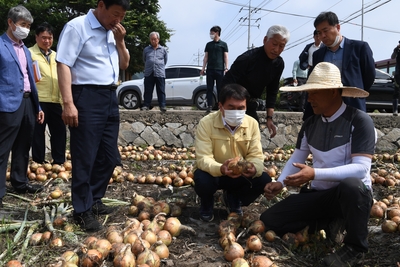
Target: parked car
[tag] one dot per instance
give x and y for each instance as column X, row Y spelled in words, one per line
column 184, row 86
column 380, row 94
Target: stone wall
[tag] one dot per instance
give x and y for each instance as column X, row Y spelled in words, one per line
column 177, row 128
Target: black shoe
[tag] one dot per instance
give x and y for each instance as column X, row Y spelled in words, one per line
column 30, row 188
column 99, row 208
column 208, row 111
column 207, row 209
column 163, row 109
column 231, row 203
column 206, row 217
column 87, row 221
column 144, row 108
column 345, row 256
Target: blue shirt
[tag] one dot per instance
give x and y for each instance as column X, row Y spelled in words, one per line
column 336, row 57
column 89, row 50
column 155, row 61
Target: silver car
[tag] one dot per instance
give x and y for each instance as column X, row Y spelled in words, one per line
column 184, row 86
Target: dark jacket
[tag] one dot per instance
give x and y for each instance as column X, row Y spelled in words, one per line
column 304, row 57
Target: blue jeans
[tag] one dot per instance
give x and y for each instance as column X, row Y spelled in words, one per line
column 149, row 82
column 217, row 76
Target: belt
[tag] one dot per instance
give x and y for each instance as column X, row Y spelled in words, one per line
column 27, row 94
column 111, row 87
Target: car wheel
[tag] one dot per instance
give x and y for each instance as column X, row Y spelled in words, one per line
column 130, row 100
column 200, row 100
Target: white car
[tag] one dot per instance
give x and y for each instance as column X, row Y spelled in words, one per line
column 184, row 86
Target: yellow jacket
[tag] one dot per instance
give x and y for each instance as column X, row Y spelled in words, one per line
column 215, row 144
column 48, row 85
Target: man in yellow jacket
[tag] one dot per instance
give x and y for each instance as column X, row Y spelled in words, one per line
column 45, row 68
column 220, row 138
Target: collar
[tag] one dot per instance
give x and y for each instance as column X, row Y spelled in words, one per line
column 14, row 43
column 341, row 45
column 93, row 21
column 44, row 52
column 336, row 114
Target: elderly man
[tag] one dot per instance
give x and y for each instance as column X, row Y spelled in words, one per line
column 49, row 98
column 352, row 57
column 155, row 58
column 90, row 53
column 260, row 69
column 19, row 104
column 336, row 192
column 220, row 137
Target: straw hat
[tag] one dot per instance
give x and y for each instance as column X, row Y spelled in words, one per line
column 325, row 75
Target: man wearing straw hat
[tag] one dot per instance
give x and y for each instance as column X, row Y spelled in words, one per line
column 335, row 192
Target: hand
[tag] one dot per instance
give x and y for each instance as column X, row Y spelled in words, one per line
column 225, row 171
column 305, row 174
column 249, row 171
column 271, row 128
column 40, row 117
column 70, row 115
column 272, row 189
column 119, row 32
column 202, row 72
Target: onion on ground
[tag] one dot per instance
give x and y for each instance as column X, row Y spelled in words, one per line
column 174, row 227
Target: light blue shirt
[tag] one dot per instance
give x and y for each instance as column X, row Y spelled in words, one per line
column 89, row 50
column 297, row 72
column 336, row 58
column 155, row 61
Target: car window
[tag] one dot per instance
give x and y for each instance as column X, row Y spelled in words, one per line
column 189, row 72
column 171, row 73
column 381, row 75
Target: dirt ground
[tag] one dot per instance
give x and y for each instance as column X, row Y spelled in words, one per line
column 201, row 250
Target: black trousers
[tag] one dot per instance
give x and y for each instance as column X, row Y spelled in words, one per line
column 213, row 76
column 52, row 118
column 16, row 133
column 149, row 83
column 246, row 189
column 94, row 151
column 350, row 200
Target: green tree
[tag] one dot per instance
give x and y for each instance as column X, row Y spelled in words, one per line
column 139, row 21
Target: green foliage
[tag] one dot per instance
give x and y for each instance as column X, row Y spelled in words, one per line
column 139, row 21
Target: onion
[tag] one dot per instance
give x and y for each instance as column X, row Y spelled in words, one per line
column 124, row 258
column 240, row 262
column 47, row 167
column 270, row 236
column 71, row 257
column 224, row 241
column 177, row 182
column 113, row 236
column 396, row 219
column 226, row 227
column 56, row 242
column 35, row 239
column 159, row 179
column 233, row 250
column 181, row 202
column 133, row 210
column 174, row 227
column 103, row 246
column 235, row 218
column 13, row 263
column 376, row 211
column 257, row 227
column 145, row 223
column 68, row 165
column 261, row 261
column 247, row 219
column 59, row 221
column 136, row 198
column 302, row 236
column 182, row 174
column 393, row 212
column 165, row 237
column 130, row 238
column 40, row 170
column 148, row 257
column 132, row 223
column 253, row 243
column 161, row 207
column 158, row 223
column 149, row 236
column 90, row 241
column 389, row 226
column 139, row 246
column 166, row 181
column 150, row 179
column 41, row 177
column 56, row 194
column 161, row 250
column 92, row 258
column 291, row 240
column 46, row 236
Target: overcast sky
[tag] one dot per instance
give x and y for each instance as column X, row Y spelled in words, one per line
column 191, row 21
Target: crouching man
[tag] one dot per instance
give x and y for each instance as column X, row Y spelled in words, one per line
column 338, row 194
column 220, row 137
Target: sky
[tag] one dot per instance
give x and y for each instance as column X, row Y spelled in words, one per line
column 191, row 20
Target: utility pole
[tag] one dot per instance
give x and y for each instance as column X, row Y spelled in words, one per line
column 249, row 21
column 362, row 21
column 198, row 56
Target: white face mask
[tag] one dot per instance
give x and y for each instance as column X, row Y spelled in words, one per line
column 212, row 36
column 234, row 117
column 20, row 32
column 337, row 40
